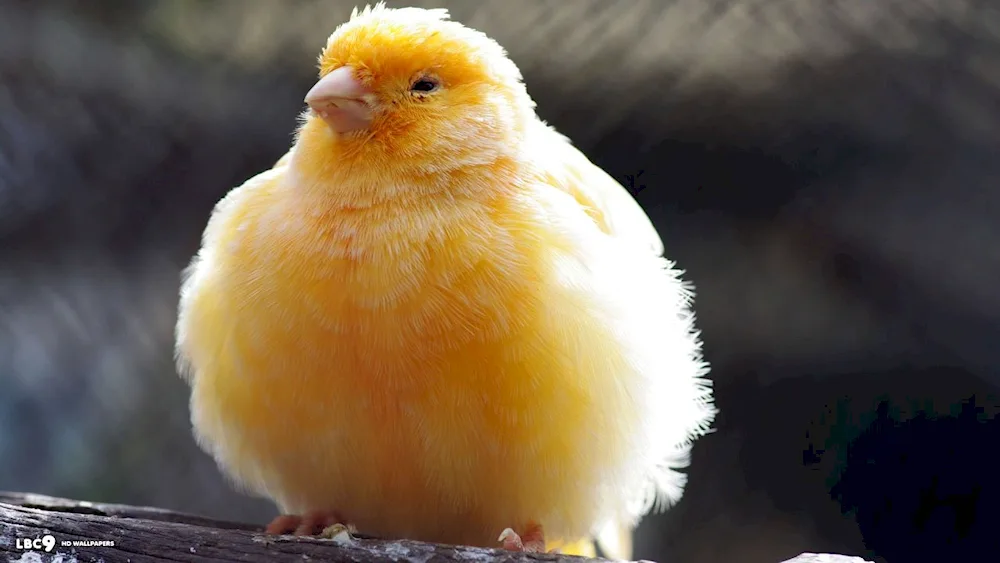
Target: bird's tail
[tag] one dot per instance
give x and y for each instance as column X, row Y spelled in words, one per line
column 583, row 548
column 614, row 542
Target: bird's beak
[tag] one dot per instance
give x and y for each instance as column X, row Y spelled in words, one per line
column 339, row 98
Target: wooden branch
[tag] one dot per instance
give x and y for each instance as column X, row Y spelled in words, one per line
column 152, row 535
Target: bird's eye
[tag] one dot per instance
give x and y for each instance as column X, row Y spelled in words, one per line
column 424, row 85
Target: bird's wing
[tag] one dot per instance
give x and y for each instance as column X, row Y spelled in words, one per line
column 611, row 206
column 199, row 317
column 618, row 214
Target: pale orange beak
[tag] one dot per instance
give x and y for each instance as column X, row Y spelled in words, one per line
column 339, row 98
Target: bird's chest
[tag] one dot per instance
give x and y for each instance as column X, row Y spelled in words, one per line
column 385, row 305
column 384, row 359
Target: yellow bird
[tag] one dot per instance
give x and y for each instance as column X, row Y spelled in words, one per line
column 436, row 319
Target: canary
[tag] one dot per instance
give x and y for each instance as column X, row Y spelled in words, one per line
column 435, row 319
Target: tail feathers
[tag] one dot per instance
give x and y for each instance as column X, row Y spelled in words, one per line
column 615, row 541
column 583, row 548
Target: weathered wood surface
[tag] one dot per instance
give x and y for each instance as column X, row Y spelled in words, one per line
column 147, row 535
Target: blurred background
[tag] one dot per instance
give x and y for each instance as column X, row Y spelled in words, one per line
column 826, row 171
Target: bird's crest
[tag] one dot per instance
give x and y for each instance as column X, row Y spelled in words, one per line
column 440, row 14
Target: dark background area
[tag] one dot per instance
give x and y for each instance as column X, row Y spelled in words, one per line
column 826, row 171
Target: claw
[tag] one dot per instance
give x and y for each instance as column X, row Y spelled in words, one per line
column 338, row 533
column 510, row 540
column 308, row 524
column 533, row 540
column 284, row 524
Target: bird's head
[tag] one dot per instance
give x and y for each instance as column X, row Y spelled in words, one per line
column 409, row 88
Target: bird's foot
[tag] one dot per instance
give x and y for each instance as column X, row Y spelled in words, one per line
column 531, row 540
column 339, row 532
column 309, row 524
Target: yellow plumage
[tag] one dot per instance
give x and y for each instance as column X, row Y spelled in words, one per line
column 446, row 323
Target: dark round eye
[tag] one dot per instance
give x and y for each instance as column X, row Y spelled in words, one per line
column 424, row 85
